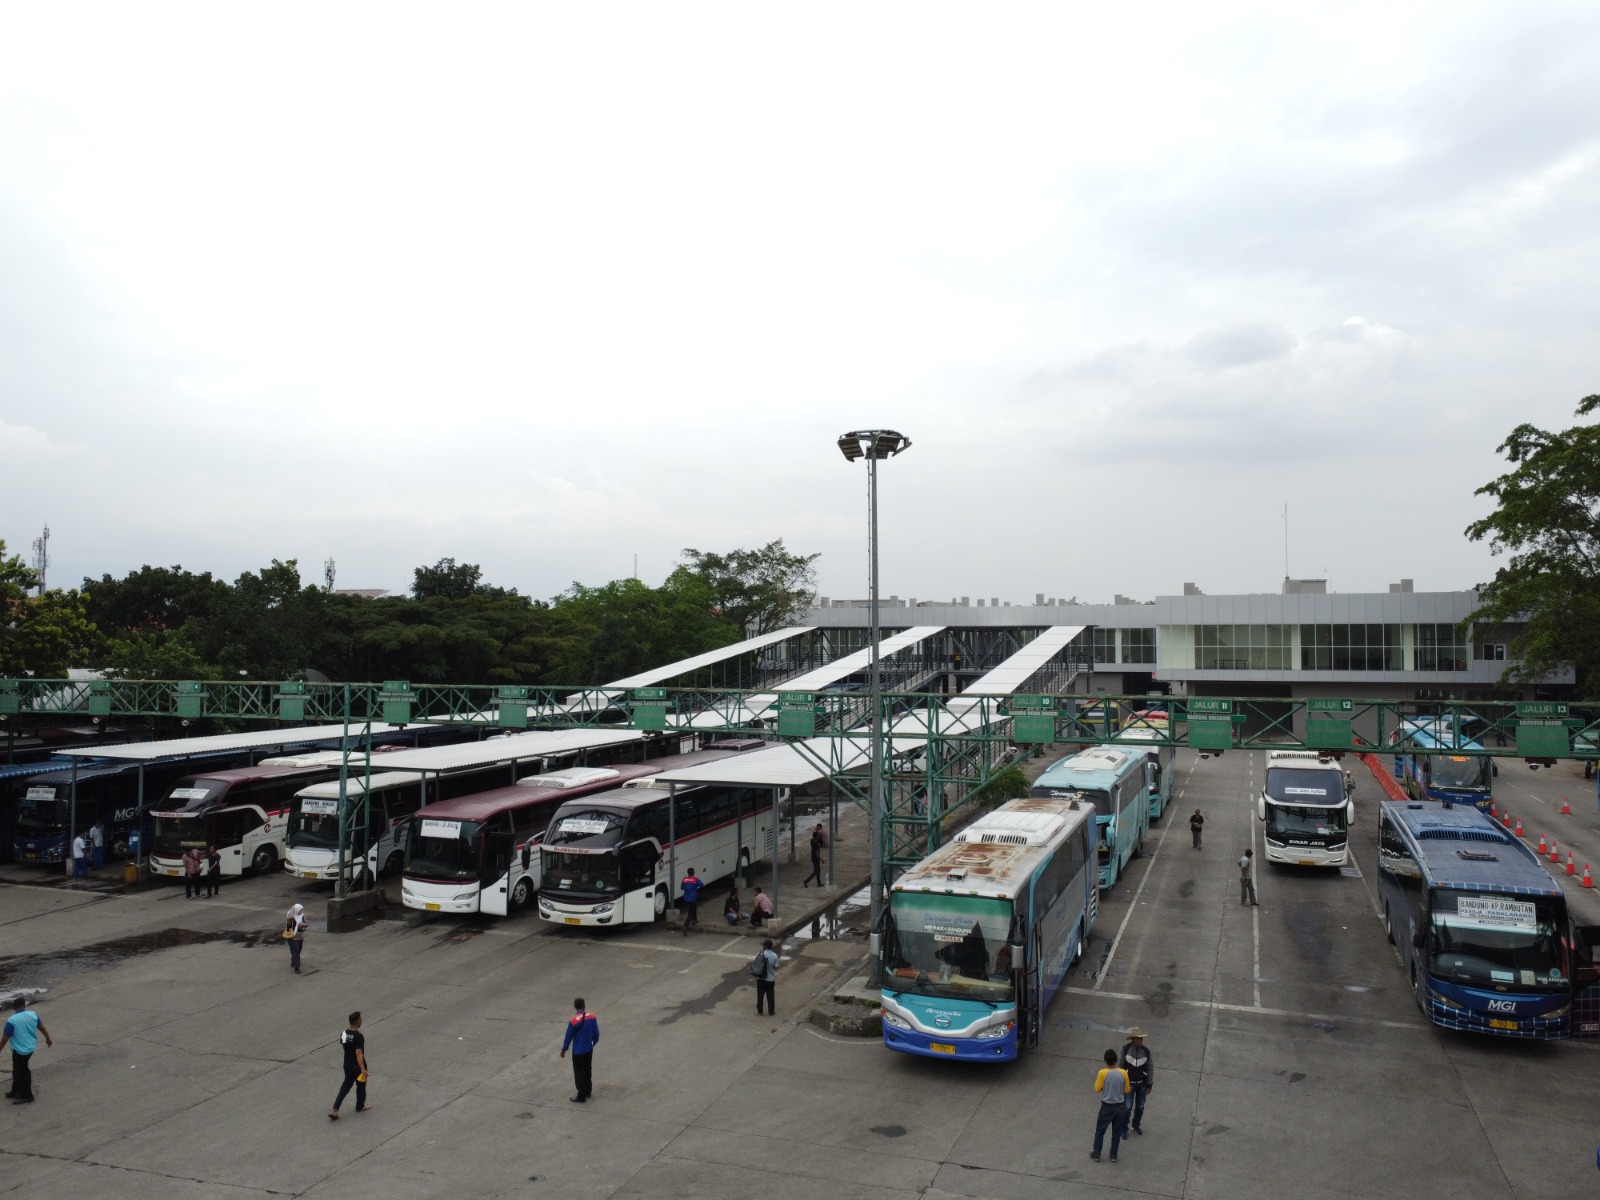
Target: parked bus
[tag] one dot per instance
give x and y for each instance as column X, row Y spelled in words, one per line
column 1306, row 810
column 244, row 813
column 1117, row 782
column 1163, row 758
column 979, row 934
column 606, row 856
column 1428, row 768
column 1482, row 928
column 476, row 853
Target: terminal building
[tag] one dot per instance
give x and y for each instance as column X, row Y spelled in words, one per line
column 1300, row 642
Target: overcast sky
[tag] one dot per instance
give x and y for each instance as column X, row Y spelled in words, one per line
column 545, row 287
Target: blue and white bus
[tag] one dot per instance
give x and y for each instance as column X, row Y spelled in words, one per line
column 1117, row 783
column 1430, row 766
column 1482, row 928
column 980, row 933
column 1163, row 758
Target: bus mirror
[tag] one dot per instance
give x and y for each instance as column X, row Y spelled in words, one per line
column 527, row 856
column 1261, row 809
column 1494, row 768
column 1350, row 812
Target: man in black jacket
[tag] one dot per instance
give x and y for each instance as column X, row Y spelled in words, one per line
column 1141, row 1069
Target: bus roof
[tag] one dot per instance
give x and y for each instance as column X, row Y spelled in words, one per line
column 1000, row 851
column 514, row 747
column 482, row 806
column 1495, row 861
column 382, row 781
column 642, row 789
column 247, row 774
column 1301, row 760
column 1097, row 768
column 181, row 747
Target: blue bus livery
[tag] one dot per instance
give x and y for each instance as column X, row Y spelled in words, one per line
column 1427, row 768
column 1162, row 757
column 1117, row 783
column 1482, row 927
column 979, row 934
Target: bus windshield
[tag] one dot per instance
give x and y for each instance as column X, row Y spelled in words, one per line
column 442, row 849
column 171, row 835
column 592, row 827
column 1459, row 771
column 314, row 829
column 1284, row 821
column 580, row 875
column 1294, row 786
column 951, row 946
column 42, row 815
column 1486, row 939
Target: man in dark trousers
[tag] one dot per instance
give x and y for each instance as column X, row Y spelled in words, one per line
column 767, row 978
column 583, row 1035
column 1247, row 878
column 818, row 841
column 355, row 1068
column 1141, row 1069
column 1197, row 825
column 213, row 871
column 22, row 1033
column 691, row 899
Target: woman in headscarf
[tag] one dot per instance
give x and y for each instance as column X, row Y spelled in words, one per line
column 294, row 931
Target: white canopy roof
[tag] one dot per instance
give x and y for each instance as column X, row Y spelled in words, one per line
column 684, row 666
column 1016, row 670
column 787, row 765
column 513, row 748
column 297, row 735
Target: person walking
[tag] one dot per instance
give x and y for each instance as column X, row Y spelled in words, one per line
column 214, row 874
column 22, row 1033
column 1141, row 1069
column 355, row 1068
column 583, row 1035
column 294, row 932
column 97, row 845
column 80, row 858
column 1197, row 824
column 1111, row 1085
column 765, row 969
column 1247, row 878
column 818, row 841
column 760, row 909
column 193, row 861
column 691, row 898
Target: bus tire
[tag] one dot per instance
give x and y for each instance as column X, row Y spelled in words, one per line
column 392, row 864
column 521, row 893
column 265, row 859
column 117, row 847
column 660, row 903
column 1388, row 928
column 362, row 881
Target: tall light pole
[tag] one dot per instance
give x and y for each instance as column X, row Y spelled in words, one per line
column 872, row 445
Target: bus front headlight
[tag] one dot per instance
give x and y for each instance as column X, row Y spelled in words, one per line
column 996, row 1031
column 895, row 1019
column 602, row 908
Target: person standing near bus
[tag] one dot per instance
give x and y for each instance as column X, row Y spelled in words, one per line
column 192, row 862
column 766, row 973
column 1247, row 878
column 818, row 841
column 214, row 875
column 1111, row 1085
column 1141, row 1069
column 97, row 846
column 691, row 899
column 80, row 859
column 1197, row 824
column 583, row 1035
column 22, row 1032
column 294, row 933
column 355, row 1068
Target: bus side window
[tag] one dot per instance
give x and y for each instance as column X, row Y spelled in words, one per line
column 639, row 865
column 688, row 814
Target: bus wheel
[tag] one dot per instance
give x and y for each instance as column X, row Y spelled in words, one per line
column 522, row 893
column 363, row 881
column 661, row 903
column 265, row 859
column 1388, row 928
column 117, row 847
column 392, row 864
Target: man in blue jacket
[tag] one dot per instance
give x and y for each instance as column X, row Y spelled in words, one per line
column 583, row 1035
column 691, row 899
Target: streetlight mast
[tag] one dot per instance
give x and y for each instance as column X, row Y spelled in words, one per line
column 872, row 445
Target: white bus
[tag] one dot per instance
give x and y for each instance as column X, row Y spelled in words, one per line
column 475, row 853
column 606, row 856
column 979, row 934
column 244, row 813
column 1307, row 813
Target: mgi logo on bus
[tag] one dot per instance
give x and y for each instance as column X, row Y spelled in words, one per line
column 1506, row 1006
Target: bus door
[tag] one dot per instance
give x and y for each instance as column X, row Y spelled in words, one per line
column 1028, row 968
column 1586, row 981
column 498, row 848
column 638, row 867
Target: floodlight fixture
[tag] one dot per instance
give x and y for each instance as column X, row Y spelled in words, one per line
column 873, row 444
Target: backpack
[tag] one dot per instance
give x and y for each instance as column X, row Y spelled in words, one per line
column 758, row 965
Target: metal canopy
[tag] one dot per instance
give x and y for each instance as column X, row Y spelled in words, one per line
column 851, row 664
column 684, row 666
column 184, row 747
column 793, row 764
column 515, row 748
column 1016, row 670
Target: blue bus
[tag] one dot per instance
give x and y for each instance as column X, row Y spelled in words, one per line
column 1117, row 782
column 1430, row 765
column 1482, row 928
column 980, row 933
column 1162, row 757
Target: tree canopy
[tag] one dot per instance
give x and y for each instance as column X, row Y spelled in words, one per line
column 1547, row 523
column 757, row 591
column 41, row 635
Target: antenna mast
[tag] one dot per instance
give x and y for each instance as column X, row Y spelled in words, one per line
column 41, row 556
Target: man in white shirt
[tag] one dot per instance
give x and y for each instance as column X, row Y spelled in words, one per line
column 97, row 846
column 80, row 861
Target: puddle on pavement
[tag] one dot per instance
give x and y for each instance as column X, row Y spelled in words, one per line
column 22, row 972
column 846, row 918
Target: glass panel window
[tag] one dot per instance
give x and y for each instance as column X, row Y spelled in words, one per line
column 1105, row 645
column 1441, row 648
column 1138, row 645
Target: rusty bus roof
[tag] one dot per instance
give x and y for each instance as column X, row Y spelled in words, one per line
column 1000, row 851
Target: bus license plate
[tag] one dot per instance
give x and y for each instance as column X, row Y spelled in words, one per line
column 574, row 921
column 308, row 874
column 941, row 1047
column 431, row 907
column 1306, row 862
column 1493, row 1024
column 173, row 873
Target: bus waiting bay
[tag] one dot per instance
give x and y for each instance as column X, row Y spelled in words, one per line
column 1292, row 1058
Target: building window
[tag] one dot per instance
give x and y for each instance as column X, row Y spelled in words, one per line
column 1441, row 648
column 1351, row 648
column 1105, row 645
column 1489, row 651
column 1138, row 645
column 1241, row 648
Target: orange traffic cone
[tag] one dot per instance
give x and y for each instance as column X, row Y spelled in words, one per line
column 1505, row 819
column 1555, row 854
column 1494, row 813
column 1519, row 826
column 1543, row 848
column 1571, row 870
column 1566, row 808
column 1588, row 879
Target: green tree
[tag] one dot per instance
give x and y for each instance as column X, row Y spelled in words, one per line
column 627, row 626
column 151, row 600
column 448, row 579
column 41, row 635
column 758, row 590
column 155, row 656
column 1547, row 521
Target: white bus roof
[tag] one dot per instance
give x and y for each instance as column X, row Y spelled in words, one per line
column 1020, row 667
column 515, row 747
column 1304, row 759
column 382, row 781
column 996, row 854
column 179, row 747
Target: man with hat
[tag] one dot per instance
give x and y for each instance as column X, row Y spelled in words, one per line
column 1141, row 1069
